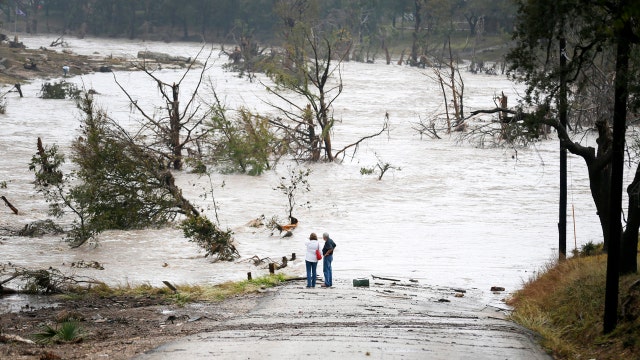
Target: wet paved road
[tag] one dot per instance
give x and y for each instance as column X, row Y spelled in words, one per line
column 385, row 321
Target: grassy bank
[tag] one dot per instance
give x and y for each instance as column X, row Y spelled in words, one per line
column 565, row 305
column 184, row 293
column 122, row 322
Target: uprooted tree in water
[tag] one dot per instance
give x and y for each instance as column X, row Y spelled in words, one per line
column 119, row 184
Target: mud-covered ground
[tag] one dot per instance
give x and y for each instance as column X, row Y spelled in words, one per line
column 20, row 64
column 16, row 63
column 113, row 327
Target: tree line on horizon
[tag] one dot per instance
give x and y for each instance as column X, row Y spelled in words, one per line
column 217, row 20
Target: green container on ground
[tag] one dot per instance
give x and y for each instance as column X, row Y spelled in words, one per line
column 361, row 282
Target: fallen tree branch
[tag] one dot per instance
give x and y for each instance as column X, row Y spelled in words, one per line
column 385, row 126
column 5, row 338
column 15, row 211
column 383, row 278
column 9, row 279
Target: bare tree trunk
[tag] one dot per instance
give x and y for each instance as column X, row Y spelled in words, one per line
column 416, row 31
column 454, row 89
column 386, row 51
column 600, row 180
column 629, row 248
column 401, row 57
column 326, row 127
column 174, row 119
column 13, row 208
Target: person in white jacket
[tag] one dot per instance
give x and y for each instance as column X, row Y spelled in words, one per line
column 310, row 259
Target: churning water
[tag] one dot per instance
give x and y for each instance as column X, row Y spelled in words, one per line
column 450, row 214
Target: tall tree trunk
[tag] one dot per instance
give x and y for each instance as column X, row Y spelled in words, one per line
column 174, row 119
column 629, row 248
column 132, row 21
column 623, row 38
column 472, row 20
column 325, row 125
column 416, row 31
column 599, row 183
column 600, row 180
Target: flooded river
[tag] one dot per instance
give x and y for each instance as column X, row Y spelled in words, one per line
column 451, row 214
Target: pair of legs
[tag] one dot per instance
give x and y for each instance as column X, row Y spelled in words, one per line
column 312, row 266
column 326, row 269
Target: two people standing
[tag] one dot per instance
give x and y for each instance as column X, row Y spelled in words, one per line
column 311, row 261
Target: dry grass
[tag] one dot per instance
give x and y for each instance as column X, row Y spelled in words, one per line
column 565, row 305
column 185, row 293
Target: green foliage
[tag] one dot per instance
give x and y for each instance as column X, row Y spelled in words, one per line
column 181, row 299
column 210, row 237
column 381, row 166
column 69, row 331
column 121, row 185
column 266, row 18
column 37, row 282
column 367, row 170
column 245, row 143
column 197, row 166
column 47, row 335
column 268, row 280
column 296, row 182
column 59, row 90
column 53, row 185
column 49, row 179
column 116, row 184
column 590, row 249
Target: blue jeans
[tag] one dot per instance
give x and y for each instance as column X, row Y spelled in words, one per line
column 311, row 273
column 326, row 269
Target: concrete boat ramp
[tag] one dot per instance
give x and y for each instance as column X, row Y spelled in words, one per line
column 388, row 320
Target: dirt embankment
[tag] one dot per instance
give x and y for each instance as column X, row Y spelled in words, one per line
column 19, row 64
column 117, row 327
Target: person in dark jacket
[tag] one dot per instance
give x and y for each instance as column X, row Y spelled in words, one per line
column 327, row 253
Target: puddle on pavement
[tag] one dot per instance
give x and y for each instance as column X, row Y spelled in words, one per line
column 23, row 302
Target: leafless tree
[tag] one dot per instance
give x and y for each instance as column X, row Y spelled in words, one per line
column 179, row 126
column 319, row 82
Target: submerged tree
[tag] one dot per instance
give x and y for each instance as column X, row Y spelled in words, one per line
column 112, row 187
column 119, row 184
column 245, row 142
column 451, row 84
column 313, row 73
column 293, row 186
column 181, row 124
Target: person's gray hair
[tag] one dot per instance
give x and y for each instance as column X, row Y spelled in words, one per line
column 325, row 235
